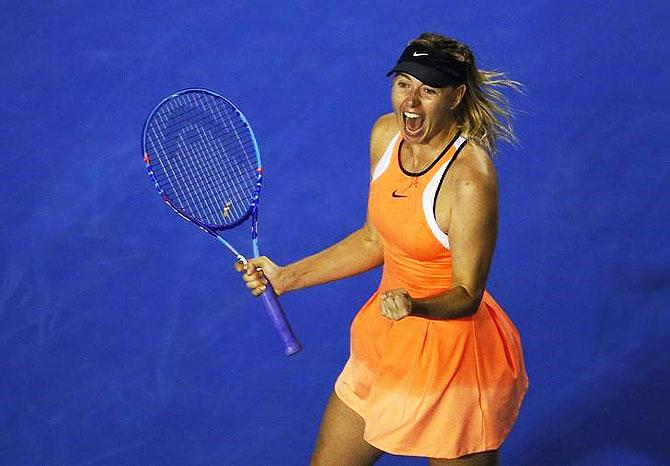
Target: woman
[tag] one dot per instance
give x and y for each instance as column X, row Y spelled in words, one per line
column 436, row 368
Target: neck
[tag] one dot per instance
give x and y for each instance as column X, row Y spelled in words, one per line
column 431, row 149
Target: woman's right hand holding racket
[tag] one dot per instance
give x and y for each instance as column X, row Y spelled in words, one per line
column 257, row 273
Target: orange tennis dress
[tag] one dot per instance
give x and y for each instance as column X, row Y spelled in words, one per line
column 425, row 387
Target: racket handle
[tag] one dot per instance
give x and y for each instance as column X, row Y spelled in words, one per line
column 276, row 314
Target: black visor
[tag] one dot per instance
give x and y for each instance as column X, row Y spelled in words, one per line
column 430, row 66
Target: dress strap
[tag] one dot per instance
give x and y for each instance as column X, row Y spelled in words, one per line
column 429, row 197
column 384, row 162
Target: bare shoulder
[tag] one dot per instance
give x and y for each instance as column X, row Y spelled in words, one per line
column 382, row 132
column 474, row 172
column 470, row 193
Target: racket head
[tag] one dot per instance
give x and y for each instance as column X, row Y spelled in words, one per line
column 202, row 156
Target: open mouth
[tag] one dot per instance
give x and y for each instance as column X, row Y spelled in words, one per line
column 413, row 123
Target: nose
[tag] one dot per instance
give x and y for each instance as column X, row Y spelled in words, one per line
column 414, row 99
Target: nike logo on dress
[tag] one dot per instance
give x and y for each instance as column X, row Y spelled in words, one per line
column 395, row 194
column 417, row 54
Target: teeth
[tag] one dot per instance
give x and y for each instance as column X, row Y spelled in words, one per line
column 411, row 115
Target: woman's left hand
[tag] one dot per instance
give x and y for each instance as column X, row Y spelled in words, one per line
column 396, row 304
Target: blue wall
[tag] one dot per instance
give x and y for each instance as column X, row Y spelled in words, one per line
column 125, row 336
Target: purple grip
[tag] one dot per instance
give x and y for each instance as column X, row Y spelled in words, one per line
column 276, row 313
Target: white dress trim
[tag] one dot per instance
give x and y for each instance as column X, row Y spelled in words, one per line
column 428, row 199
column 384, row 162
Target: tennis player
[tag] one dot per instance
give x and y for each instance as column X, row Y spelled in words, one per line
column 436, row 367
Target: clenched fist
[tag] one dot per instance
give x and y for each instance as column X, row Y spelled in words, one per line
column 396, row 304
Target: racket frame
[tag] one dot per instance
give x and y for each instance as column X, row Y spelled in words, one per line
column 272, row 305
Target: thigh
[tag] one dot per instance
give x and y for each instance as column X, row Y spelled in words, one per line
column 340, row 439
column 486, row 458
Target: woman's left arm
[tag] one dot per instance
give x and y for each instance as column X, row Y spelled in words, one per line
column 472, row 229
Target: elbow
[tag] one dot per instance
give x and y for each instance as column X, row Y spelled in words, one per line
column 474, row 306
column 473, row 300
column 372, row 242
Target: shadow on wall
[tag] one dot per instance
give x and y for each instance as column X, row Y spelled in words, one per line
column 615, row 418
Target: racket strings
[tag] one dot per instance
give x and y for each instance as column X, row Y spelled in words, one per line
column 216, row 201
column 204, row 158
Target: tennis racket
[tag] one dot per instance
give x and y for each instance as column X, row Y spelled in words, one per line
column 203, row 158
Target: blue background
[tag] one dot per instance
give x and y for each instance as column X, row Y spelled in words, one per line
column 125, row 335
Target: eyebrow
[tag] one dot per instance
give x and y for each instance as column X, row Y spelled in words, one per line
column 408, row 76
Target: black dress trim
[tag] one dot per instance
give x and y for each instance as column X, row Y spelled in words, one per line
column 444, row 175
column 432, row 164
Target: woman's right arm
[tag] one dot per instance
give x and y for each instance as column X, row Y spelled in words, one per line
column 357, row 253
column 360, row 251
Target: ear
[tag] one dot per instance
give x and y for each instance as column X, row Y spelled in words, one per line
column 459, row 92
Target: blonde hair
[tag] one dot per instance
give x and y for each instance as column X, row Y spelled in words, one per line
column 484, row 114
